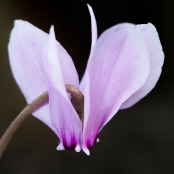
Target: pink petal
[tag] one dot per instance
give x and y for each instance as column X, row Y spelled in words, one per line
column 156, row 61
column 93, row 26
column 117, row 67
column 63, row 115
column 25, row 52
column 93, row 38
column 26, row 48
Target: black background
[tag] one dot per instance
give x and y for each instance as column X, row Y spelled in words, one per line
column 137, row 140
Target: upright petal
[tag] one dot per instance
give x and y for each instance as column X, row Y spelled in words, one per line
column 26, row 48
column 93, row 26
column 63, row 115
column 156, row 61
column 117, row 68
column 25, row 52
column 93, row 39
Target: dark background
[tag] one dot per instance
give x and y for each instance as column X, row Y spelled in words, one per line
column 137, row 140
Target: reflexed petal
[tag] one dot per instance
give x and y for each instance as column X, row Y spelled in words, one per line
column 26, row 48
column 156, row 61
column 93, row 40
column 25, row 52
column 93, row 26
column 63, row 115
column 117, row 67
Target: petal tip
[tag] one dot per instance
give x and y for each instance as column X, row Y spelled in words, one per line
column 52, row 28
column 18, row 21
column 51, row 32
column 89, row 7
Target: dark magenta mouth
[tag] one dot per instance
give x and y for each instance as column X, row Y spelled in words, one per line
column 72, row 145
column 89, row 144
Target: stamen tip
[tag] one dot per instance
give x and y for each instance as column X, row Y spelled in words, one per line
column 97, row 140
column 86, row 151
column 60, row 147
column 78, row 148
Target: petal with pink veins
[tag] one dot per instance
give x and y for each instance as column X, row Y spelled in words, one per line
column 156, row 55
column 93, row 39
column 62, row 112
column 93, row 26
column 118, row 66
column 26, row 48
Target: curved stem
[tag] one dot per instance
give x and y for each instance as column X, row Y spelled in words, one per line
column 19, row 120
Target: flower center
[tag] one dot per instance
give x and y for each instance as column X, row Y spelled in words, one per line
column 77, row 100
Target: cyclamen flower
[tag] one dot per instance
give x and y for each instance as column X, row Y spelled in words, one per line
column 124, row 65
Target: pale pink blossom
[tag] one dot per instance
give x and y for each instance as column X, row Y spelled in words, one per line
column 124, row 65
